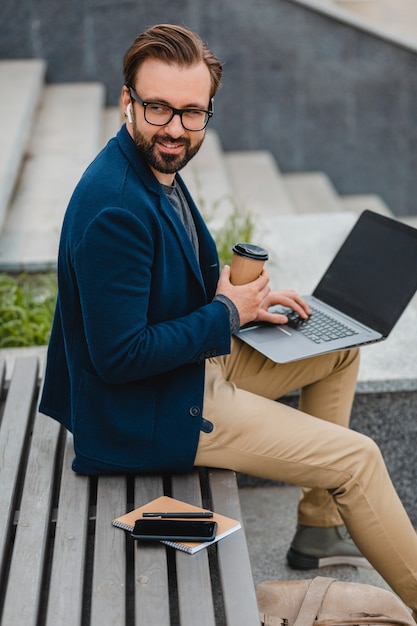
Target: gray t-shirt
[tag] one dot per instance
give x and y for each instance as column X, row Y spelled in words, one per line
column 180, row 204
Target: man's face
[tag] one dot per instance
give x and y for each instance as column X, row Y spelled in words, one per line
column 168, row 148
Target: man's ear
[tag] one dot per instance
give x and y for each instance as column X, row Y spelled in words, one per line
column 126, row 104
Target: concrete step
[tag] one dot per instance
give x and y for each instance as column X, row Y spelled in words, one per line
column 112, row 121
column 258, row 184
column 312, row 192
column 207, row 179
column 21, row 84
column 359, row 203
column 410, row 220
column 67, row 134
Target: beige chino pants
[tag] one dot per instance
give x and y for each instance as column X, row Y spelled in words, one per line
column 341, row 471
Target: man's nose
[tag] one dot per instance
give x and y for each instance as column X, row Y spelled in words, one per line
column 176, row 129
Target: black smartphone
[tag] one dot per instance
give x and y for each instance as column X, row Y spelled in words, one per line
column 175, row 530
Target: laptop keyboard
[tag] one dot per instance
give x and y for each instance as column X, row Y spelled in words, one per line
column 320, row 327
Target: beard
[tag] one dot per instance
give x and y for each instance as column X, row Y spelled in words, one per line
column 165, row 163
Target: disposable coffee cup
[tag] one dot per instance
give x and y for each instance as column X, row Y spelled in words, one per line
column 247, row 263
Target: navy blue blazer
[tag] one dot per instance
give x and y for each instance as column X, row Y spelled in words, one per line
column 134, row 323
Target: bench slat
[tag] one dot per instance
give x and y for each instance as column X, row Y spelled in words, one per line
column 235, row 570
column 23, row 594
column 193, row 572
column 108, row 602
column 151, row 568
column 68, row 563
column 2, row 374
column 13, row 435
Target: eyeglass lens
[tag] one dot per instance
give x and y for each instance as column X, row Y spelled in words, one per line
column 159, row 115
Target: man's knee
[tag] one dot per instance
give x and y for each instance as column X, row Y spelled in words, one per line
column 347, row 358
column 366, row 452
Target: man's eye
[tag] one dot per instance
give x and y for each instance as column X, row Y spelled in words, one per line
column 158, row 109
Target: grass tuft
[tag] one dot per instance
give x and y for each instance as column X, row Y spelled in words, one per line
column 27, row 304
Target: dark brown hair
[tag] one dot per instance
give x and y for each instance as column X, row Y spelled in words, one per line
column 174, row 45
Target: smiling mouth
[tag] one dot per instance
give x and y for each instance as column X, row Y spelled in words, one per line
column 169, row 143
column 171, row 146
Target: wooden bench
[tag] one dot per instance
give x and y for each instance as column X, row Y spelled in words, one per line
column 62, row 561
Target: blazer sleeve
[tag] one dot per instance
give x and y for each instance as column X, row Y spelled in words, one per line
column 144, row 312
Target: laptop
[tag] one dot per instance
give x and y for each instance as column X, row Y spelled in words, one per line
column 358, row 300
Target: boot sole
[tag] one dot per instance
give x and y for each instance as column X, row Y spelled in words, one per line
column 297, row 560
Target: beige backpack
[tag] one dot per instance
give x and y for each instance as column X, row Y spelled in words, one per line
column 328, row 602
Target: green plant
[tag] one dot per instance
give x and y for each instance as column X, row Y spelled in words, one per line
column 27, row 304
column 238, row 225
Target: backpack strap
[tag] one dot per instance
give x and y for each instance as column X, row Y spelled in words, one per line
column 272, row 620
column 313, row 600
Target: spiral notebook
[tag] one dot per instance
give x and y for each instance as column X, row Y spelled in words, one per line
column 225, row 525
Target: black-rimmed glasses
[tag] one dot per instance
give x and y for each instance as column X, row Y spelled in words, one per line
column 159, row 114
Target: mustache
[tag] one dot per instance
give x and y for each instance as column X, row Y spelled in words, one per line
column 181, row 141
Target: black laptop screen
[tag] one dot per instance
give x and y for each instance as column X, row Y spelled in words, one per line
column 374, row 274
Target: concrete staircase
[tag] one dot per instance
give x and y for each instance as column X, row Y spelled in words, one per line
column 49, row 136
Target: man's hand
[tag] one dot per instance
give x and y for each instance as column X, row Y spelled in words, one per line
column 254, row 299
column 288, row 298
column 248, row 298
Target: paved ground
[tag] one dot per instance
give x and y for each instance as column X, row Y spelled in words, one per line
column 270, row 516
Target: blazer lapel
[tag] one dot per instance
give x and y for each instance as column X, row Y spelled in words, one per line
column 184, row 240
column 206, row 268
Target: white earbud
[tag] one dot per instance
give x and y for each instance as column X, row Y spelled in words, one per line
column 129, row 113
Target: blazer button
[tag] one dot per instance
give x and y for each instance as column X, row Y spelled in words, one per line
column 194, row 411
column 206, row 426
